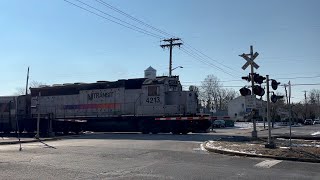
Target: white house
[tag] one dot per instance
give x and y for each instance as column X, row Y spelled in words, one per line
column 239, row 107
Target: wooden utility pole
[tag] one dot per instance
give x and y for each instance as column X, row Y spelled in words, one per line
column 170, row 46
column 38, row 118
column 26, row 99
column 306, row 104
column 318, row 105
column 27, row 81
column 290, row 109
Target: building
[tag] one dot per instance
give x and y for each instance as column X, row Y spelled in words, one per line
column 150, row 73
column 241, row 106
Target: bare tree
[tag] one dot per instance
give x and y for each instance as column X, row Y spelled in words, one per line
column 20, row 91
column 313, row 103
column 226, row 95
column 33, row 84
column 194, row 88
column 215, row 96
column 210, row 91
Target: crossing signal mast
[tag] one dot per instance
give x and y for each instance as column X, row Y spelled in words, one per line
column 274, row 99
column 256, row 89
column 250, row 62
column 259, row 91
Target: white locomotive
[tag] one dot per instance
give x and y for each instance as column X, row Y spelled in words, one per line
column 143, row 104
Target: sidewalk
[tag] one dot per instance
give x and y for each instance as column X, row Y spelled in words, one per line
column 301, row 150
column 244, row 129
column 237, row 141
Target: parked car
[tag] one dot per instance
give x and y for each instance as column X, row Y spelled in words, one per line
column 219, row 124
column 308, row 122
column 316, row 121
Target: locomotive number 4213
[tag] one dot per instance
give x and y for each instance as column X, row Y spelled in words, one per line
column 153, row 100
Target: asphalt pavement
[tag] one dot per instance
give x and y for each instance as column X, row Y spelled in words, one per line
column 139, row 156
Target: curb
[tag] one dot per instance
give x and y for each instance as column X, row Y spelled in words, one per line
column 29, row 141
column 256, row 155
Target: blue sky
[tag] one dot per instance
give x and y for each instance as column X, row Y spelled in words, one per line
column 63, row 44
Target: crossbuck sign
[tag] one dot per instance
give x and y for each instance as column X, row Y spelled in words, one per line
column 250, row 60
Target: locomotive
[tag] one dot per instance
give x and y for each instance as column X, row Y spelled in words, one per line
column 147, row 105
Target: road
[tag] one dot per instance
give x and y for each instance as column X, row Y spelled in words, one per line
column 313, row 131
column 138, row 156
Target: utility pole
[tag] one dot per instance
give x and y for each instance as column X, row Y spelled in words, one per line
column 170, row 46
column 268, row 111
column 249, row 58
column 305, row 101
column 290, row 108
column 318, row 105
column 270, row 144
column 38, row 119
column 290, row 113
column 26, row 99
column 27, row 81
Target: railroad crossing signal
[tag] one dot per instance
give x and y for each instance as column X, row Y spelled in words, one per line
column 255, row 89
column 258, row 90
column 274, row 84
column 245, row 91
column 274, row 98
column 258, row 79
column 250, row 61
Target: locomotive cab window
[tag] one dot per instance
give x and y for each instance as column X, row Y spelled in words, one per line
column 153, row 91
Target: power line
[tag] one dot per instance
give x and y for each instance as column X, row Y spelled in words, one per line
column 120, row 20
column 197, row 51
column 133, row 18
column 219, row 86
column 305, row 77
column 199, row 58
column 208, row 81
column 137, row 28
column 146, row 32
column 306, row 84
column 156, row 29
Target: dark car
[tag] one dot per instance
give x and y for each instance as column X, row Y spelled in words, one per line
column 308, row 122
column 219, row 124
column 316, row 121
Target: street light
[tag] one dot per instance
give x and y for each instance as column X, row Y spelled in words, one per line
column 176, row 68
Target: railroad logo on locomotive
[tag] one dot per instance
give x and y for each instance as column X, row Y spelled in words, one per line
column 99, row 95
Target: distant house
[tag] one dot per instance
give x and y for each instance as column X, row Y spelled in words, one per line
column 241, row 106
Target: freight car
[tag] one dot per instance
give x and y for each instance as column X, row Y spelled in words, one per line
column 15, row 115
column 146, row 105
column 8, row 112
column 14, row 109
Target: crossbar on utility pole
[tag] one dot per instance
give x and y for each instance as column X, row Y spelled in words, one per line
column 170, row 46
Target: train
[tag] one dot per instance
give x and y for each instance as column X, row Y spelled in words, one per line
column 147, row 105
